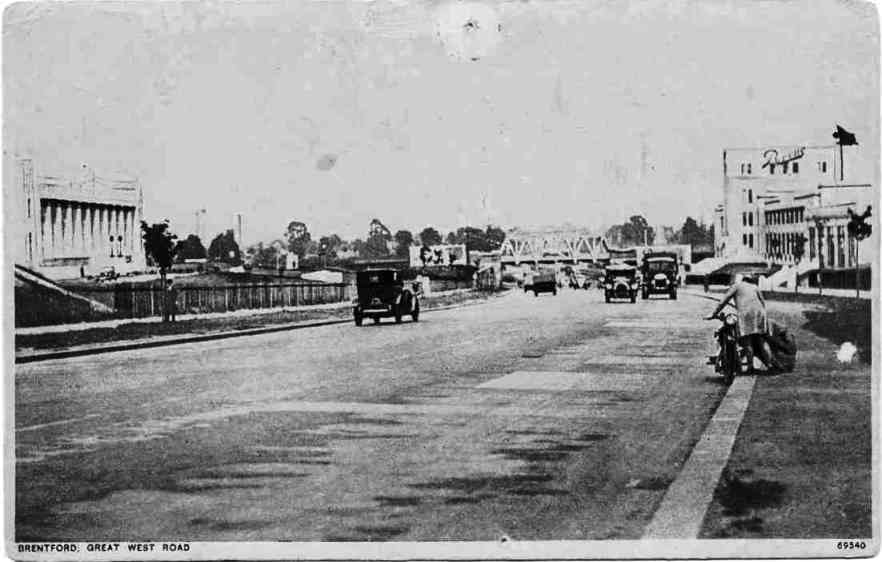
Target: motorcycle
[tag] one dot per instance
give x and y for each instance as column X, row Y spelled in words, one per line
column 732, row 358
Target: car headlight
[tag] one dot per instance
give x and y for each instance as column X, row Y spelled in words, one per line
column 608, row 285
column 731, row 320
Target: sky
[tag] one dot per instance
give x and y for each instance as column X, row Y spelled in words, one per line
column 430, row 113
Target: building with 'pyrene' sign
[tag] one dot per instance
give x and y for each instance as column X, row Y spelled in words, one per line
column 789, row 205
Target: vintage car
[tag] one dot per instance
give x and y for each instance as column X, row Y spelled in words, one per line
column 383, row 293
column 660, row 273
column 620, row 282
column 544, row 282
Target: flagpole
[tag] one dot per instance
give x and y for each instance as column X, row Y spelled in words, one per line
column 841, row 164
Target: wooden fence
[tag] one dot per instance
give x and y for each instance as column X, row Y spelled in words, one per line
column 141, row 302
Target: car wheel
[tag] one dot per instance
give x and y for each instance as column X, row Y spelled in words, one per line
column 376, row 319
column 358, row 319
column 415, row 315
column 634, row 297
column 606, row 297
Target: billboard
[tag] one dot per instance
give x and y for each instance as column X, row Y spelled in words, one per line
column 443, row 254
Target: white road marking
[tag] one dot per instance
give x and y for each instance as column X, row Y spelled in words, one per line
column 683, row 508
column 55, row 423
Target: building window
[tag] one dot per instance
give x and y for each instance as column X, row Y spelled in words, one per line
column 851, row 251
column 744, row 239
column 840, row 246
column 796, row 167
column 750, row 240
column 750, row 196
column 743, row 219
column 811, row 243
column 750, row 219
column 784, row 168
column 822, row 167
column 831, row 247
column 748, row 168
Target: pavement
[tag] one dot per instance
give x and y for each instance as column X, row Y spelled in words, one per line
column 27, row 355
column 57, row 328
column 534, row 418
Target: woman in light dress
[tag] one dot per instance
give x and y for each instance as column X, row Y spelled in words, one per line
column 753, row 324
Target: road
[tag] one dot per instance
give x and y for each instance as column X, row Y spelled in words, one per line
column 557, row 417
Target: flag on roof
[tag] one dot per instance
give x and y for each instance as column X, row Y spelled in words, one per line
column 843, row 137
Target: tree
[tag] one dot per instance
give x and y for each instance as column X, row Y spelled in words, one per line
column 694, row 234
column 266, row 256
column 798, row 251
column 430, row 237
column 160, row 248
column 637, row 232
column 477, row 239
column 225, row 249
column 298, row 238
column 190, row 248
column 403, row 242
column 377, row 242
column 495, row 237
column 328, row 246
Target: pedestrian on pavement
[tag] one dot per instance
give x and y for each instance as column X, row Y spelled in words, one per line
column 171, row 300
column 753, row 324
column 706, row 283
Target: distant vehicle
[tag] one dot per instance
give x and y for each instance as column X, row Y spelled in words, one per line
column 107, row 274
column 544, row 282
column 660, row 272
column 382, row 293
column 528, row 282
column 620, row 282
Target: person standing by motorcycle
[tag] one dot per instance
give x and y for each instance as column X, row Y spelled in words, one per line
column 753, row 324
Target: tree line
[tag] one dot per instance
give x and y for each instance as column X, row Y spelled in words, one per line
column 636, row 231
column 332, row 249
column 381, row 242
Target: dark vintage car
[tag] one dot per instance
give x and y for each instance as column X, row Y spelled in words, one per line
column 383, row 293
column 660, row 271
column 620, row 282
column 544, row 282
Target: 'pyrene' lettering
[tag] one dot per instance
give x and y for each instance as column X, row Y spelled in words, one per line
column 772, row 157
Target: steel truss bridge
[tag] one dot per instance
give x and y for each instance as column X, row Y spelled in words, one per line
column 552, row 246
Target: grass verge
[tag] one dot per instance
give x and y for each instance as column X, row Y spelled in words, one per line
column 844, row 320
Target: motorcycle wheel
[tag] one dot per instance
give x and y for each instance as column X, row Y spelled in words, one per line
column 730, row 364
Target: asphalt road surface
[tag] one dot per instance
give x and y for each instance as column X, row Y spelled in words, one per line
column 557, row 417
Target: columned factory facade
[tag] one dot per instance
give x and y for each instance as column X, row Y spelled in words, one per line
column 72, row 227
column 789, row 204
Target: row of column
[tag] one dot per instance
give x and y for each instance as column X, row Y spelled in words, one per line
column 73, row 229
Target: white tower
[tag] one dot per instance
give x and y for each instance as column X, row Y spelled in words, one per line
column 239, row 224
